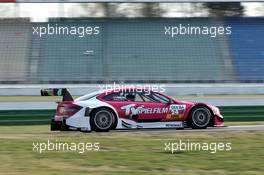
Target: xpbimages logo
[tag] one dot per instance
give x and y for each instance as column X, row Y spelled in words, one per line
column 80, row 147
column 212, row 31
column 212, row 147
column 116, row 87
column 55, row 29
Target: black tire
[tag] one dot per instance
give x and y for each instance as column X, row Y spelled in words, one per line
column 200, row 118
column 102, row 120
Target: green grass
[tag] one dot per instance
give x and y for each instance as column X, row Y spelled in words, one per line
column 129, row 153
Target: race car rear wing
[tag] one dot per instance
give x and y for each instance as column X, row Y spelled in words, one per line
column 66, row 96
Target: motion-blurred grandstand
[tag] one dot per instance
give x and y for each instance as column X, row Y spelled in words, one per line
column 131, row 50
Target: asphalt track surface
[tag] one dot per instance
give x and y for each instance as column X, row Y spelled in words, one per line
column 211, row 129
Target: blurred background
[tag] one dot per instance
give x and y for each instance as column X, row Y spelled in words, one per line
column 132, row 46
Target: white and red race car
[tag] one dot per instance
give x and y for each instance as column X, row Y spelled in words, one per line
column 129, row 109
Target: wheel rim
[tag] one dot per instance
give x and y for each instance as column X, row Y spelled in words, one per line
column 201, row 117
column 103, row 119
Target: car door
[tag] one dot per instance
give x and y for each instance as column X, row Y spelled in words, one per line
column 165, row 108
column 149, row 109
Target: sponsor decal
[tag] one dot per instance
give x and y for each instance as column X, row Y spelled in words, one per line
column 173, row 125
column 174, row 116
column 131, row 110
column 177, row 107
column 59, row 92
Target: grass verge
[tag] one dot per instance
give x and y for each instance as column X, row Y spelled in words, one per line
column 129, row 153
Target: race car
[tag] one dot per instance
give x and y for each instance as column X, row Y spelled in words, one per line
column 129, row 109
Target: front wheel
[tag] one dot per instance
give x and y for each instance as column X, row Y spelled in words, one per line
column 102, row 120
column 200, row 118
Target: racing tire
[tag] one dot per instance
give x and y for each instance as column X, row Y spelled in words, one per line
column 200, row 118
column 102, row 120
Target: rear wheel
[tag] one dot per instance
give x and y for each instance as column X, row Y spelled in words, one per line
column 200, row 118
column 102, row 120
